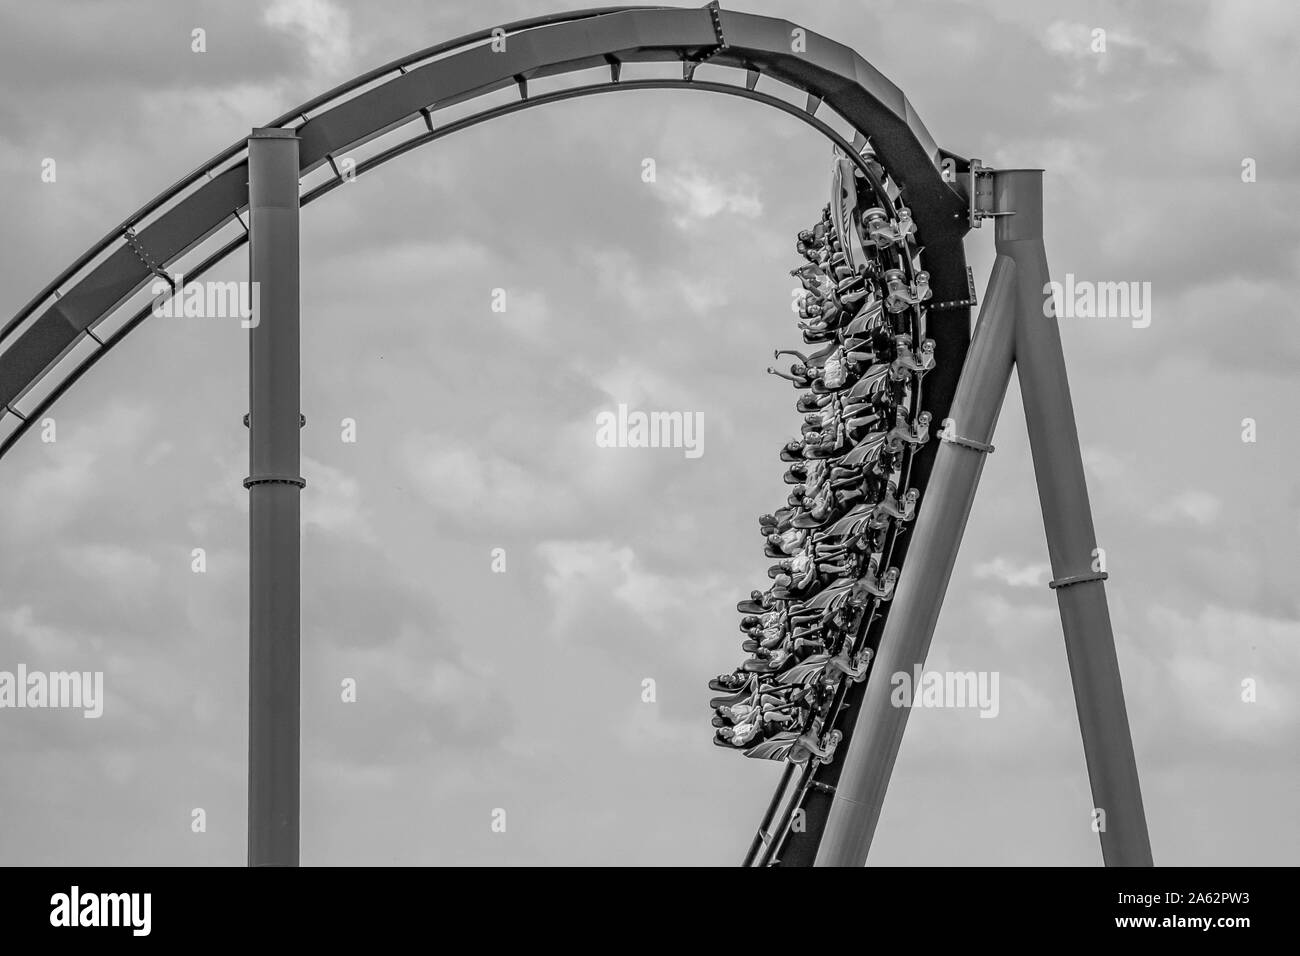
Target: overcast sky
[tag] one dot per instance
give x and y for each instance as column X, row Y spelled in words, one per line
column 522, row 690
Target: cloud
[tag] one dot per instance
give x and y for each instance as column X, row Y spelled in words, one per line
column 1194, row 663
column 1197, row 507
column 332, row 502
column 597, row 588
column 45, row 642
column 694, row 195
column 1104, row 465
column 527, row 315
column 118, row 570
column 1013, row 574
column 1077, row 41
column 324, row 30
column 413, row 703
column 60, row 486
column 471, row 487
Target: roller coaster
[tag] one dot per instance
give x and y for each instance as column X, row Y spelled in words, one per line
column 899, row 398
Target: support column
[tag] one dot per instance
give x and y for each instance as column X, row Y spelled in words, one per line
column 940, row 523
column 1067, row 519
column 274, row 486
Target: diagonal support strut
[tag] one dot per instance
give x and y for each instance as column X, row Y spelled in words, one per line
column 1012, row 329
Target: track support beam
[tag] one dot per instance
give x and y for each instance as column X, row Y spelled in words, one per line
column 1071, row 538
column 936, row 537
column 1012, row 329
column 274, row 490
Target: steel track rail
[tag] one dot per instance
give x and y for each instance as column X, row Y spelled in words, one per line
column 538, row 47
column 768, row 842
column 240, row 147
column 32, row 415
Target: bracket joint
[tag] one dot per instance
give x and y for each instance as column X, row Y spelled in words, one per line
column 1065, row 582
column 980, row 190
column 983, row 447
column 297, row 480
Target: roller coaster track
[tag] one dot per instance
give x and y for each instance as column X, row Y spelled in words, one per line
column 821, row 686
column 201, row 219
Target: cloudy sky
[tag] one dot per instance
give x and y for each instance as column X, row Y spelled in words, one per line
column 522, row 690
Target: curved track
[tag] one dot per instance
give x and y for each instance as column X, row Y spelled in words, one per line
column 813, row 640
column 200, row 220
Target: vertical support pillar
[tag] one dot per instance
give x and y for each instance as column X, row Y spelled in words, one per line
column 1067, row 519
column 940, row 523
column 274, row 487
